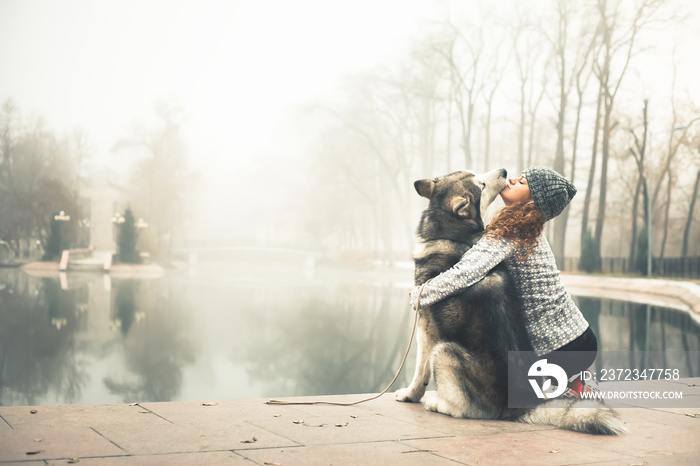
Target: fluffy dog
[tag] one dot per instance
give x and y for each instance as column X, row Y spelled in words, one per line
column 463, row 341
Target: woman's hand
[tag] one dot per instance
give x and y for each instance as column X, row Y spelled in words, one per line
column 413, row 295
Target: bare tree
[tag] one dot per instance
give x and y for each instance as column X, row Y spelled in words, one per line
column 689, row 218
column 610, row 78
column 464, row 77
column 161, row 177
column 37, row 179
column 381, row 121
column 675, row 141
column 529, row 54
column 569, row 73
column 591, row 174
column 534, row 101
column 419, row 92
column 421, row 117
column 493, row 78
column 638, row 152
column 476, row 68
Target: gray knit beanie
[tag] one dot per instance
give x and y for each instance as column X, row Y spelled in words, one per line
column 550, row 191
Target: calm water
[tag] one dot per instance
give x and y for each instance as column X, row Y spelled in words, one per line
column 233, row 331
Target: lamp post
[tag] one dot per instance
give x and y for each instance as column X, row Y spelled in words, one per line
column 84, row 224
column 60, row 218
column 117, row 220
column 141, row 225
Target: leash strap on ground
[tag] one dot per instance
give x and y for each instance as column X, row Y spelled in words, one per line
column 410, row 341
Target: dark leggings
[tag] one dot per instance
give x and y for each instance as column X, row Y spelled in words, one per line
column 586, row 348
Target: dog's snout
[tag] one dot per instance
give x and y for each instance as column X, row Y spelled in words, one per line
column 504, row 173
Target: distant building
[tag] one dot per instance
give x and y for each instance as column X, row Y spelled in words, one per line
column 101, row 197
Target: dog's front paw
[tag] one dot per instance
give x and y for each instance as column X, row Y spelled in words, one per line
column 431, row 404
column 406, row 395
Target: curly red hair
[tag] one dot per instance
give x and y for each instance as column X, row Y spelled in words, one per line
column 521, row 222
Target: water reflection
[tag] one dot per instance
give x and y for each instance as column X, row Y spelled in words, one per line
column 156, row 346
column 124, row 308
column 39, row 355
column 626, row 326
column 640, row 336
column 91, row 343
column 231, row 331
column 351, row 342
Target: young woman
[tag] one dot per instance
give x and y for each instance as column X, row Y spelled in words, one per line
column 514, row 236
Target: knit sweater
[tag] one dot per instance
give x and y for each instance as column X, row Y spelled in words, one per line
column 551, row 317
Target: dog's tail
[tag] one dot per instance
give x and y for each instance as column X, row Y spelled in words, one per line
column 586, row 416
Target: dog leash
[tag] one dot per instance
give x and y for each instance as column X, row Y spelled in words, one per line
column 410, row 341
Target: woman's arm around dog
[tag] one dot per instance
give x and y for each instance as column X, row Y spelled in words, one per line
column 474, row 265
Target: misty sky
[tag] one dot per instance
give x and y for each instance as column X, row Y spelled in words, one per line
column 234, row 66
column 239, row 69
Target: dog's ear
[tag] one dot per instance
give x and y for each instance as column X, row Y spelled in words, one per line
column 425, row 188
column 460, row 206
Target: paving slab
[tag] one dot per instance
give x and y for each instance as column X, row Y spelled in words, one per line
column 415, row 413
column 57, row 416
column 228, row 458
column 653, row 439
column 210, row 411
column 40, row 442
column 365, row 454
column 339, row 429
column 676, row 460
column 230, row 435
column 517, row 448
column 4, row 426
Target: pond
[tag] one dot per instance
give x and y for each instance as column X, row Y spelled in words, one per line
column 234, row 330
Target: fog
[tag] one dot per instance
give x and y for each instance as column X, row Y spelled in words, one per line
column 304, row 124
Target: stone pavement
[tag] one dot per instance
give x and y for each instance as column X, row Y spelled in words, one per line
column 379, row 432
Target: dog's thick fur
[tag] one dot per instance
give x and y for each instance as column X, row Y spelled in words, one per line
column 463, row 341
